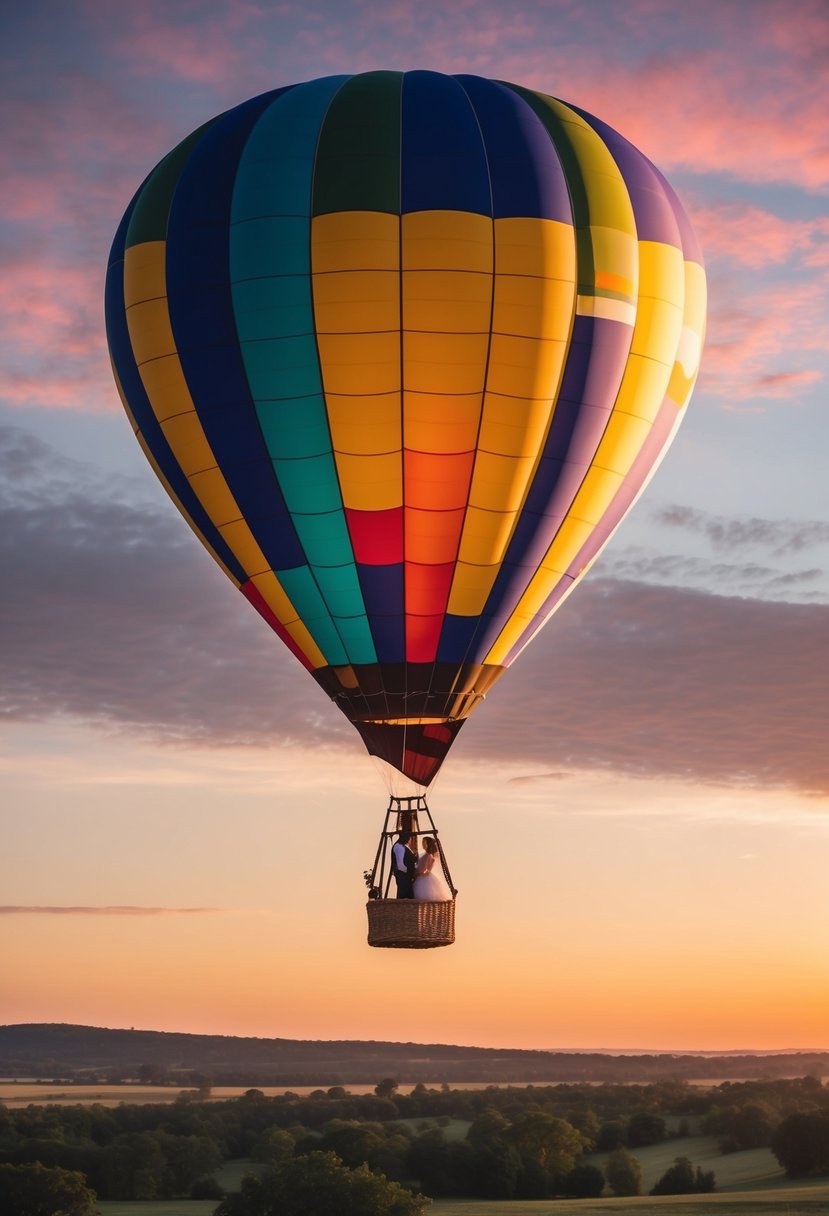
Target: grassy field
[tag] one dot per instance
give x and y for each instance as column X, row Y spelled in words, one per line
column 784, row 1202
column 755, row 1169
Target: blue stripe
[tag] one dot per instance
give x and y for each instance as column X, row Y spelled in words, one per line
column 443, row 161
column 201, row 314
column 527, row 177
column 124, row 361
column 383, row 594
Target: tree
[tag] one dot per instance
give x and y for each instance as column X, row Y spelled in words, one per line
column 320, row 1185
column 645, row 1128
column 623, row 1173
column 34, row 1190
column 584, row 1182
column 801, row 1143
column 552, row 1143
column 683, row 1179
column 386, row 1088
column 273, row 1146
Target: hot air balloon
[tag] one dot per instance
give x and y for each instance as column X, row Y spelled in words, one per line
column 404, row 348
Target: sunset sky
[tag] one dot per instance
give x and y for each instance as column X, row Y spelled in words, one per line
column 638, row 818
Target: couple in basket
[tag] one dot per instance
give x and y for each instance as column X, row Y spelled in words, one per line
column 418, row 877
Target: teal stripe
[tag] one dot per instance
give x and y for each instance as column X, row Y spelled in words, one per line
column 310, row 486
column 294, row 427
column 305, row 596
column 270, row 262
column 324, row 538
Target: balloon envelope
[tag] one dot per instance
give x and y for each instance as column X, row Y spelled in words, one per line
column 404, row 349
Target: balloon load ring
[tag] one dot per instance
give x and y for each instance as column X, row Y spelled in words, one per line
column 407, row 924
column 404, row 349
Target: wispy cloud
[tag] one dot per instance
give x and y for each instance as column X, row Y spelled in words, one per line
column 116, row 616
column 114, row 910
column 777, row 536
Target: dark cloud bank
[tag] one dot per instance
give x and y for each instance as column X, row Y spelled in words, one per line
column 114, row 614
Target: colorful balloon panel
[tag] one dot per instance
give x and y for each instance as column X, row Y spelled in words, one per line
column 404, row 349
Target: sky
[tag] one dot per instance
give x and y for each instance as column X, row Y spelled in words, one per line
column 638, row 818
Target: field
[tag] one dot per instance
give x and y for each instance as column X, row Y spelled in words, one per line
column 786, row 1201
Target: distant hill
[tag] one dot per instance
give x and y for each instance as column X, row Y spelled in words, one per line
column 64, row 1051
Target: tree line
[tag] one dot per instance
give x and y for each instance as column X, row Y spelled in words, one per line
column 529, row 1142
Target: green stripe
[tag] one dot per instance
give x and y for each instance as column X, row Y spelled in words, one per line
column 358, row 158
column 152, row 207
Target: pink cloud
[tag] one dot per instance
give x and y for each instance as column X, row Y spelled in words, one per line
column 748, row 236
column 116, row 910
column 52, row 326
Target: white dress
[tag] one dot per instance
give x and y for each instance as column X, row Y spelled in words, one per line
column 432, row 886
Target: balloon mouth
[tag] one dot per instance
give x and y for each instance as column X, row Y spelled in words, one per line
column 406, row 721
column 417, row 750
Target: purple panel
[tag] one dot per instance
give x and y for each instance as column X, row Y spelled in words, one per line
column 587, row 434
column 690, row 245
column 654, row 215
column 562, row 481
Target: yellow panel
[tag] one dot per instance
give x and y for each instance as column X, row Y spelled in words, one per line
column 514, row 426
column 239, row 540
column 594, row 497
column 445, row 363
column 643, row 388
column 166, row 387
column 533, row 308
column 536, row 247
column 365, row 424
column 658, row 326
column 187, row 439
column 274, row 596
column 486, row 535
column 437, row 423
column 174, row 497
column 349, row 240
column 360, row 363
column 149, row 328
column 439, row 300
column 695, row 297
column 356, row 301
column 662, row 272
column 500, row 482
column 212, row 491
column 616, row 256
column 525, row 367
column 145, row 274
column 371, row 483
column 470, row 588
column 447, row 240
column 689, row 351
column 622, row 441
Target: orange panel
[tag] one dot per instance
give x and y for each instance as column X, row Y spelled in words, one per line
column 435, row 482
column 432, row 536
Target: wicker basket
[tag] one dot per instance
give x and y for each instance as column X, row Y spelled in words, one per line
column 410, row 924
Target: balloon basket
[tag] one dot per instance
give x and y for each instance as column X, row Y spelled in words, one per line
column 407, row 924
column 410, row 924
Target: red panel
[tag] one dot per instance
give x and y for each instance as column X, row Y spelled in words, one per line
column 427, row 588
column 254, row 596
column 422, row 637
column 377, row 536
